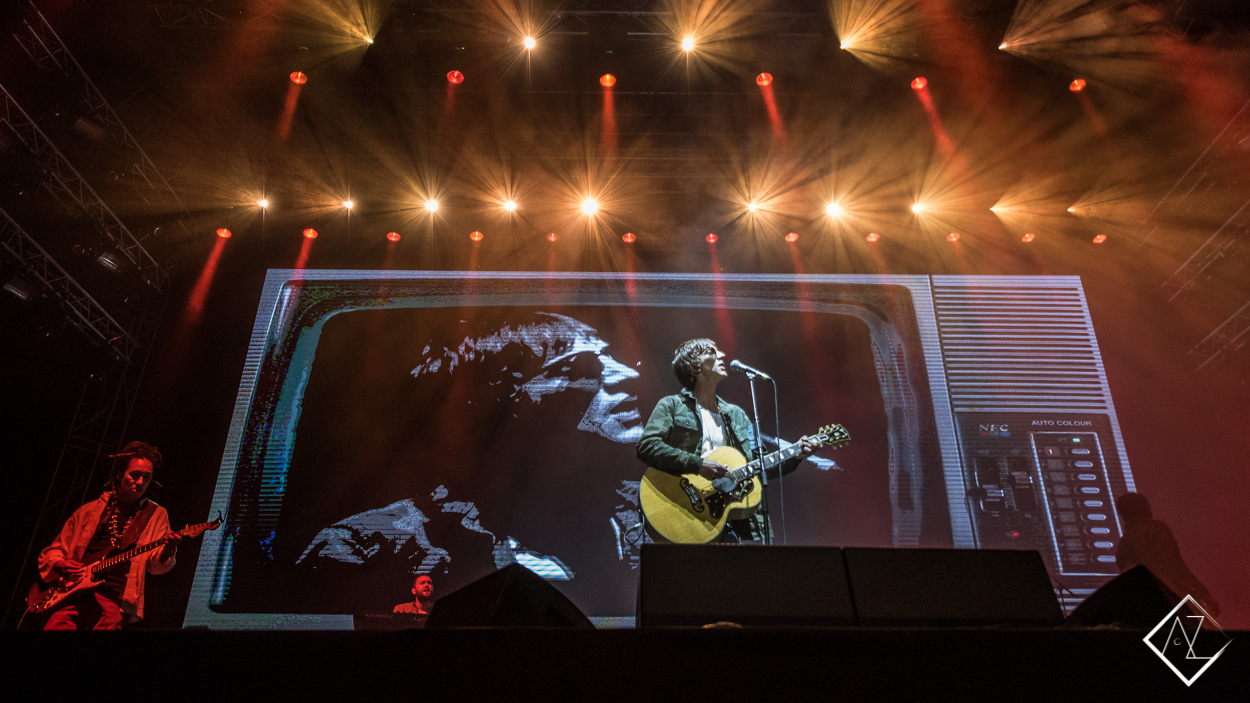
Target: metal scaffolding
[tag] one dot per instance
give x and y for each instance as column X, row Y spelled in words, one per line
column 81, row 309
column 66, row 183
column 1228, row 336
column 47, row 50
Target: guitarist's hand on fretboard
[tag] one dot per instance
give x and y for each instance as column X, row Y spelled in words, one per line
column 810, row 445
column 171, row 546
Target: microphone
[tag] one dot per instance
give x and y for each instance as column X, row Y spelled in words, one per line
column 754, row 373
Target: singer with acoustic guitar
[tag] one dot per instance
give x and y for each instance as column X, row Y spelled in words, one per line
column 681, row 441
column 121, row 517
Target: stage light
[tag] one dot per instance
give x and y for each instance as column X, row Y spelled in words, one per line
column 224, row 233
column 1002, row 46
column 711, row 238
column 792, row 237
column 1028, row 237
column 510, row 205
column 833, row 210
column 476, row 236
column 393, row 236
column 110, row 260
column 918, row 207
column 1077, row 85
column 607, row 80
column 873, row 236
column 764, row 79
column 310, row 233
column 687, row 44
column 20, row 288
column 262, row 202
column 1100, row 238
column 368, row 40
column 455, row 77
column 629, row 238
column 919, row 83
column 431, row 205
column 1072, row 209
column 952, row 237
column 752, row 207
column 530, row 43
column 552, row 237
column 348, row 204
column 590, row 206
column 298, row 78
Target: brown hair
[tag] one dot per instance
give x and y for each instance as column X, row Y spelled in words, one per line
column 687, row 358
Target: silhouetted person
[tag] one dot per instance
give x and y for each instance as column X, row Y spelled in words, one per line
column 1150, row 543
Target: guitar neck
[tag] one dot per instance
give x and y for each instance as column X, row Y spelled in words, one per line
column 127, row 555
column 747, row 471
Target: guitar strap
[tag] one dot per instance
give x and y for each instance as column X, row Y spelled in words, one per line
column 138, row 524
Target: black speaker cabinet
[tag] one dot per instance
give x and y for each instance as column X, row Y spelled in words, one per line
column 694, row 585
column 950, row 587
column 513, row 596
column 1134, row 598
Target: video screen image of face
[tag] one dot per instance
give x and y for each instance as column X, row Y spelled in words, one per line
column 455, row 441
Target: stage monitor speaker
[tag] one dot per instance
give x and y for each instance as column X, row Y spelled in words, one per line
column 513, row 596
column 950, row 587
column 695, row 585
column 1134, row 598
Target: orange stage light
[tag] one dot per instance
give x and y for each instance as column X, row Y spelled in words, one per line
column 455, row 77
column 1077, row 85
column 952, row 237
column 607, row 80
column 224, row 233
column 310, row 233
column 1028, row 237
column 476, row 236
column 1100, row 238
column 393, row 236
column 552, row 237
column 873, row 236
column 299, row 78
column 711, row 238
column 629, row 238
column 792, row 237
column 919, row 83
column 764, row 79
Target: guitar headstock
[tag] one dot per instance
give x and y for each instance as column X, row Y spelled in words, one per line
column 833, row 435
column 191, row 531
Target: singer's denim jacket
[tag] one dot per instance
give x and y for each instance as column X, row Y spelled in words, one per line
column 670, row 443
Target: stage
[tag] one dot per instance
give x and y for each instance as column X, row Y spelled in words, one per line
column 646, row 664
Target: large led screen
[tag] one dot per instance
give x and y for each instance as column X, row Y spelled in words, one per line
column 391, row 424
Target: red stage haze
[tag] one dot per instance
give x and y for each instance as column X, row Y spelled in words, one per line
column 873, row 236
column 792, row 237
column 607, row 80
column 393, row 236
column 711, row 238
column 476, row 236
column 1028, row 237
column 1077, row 85
column 952, row 237
column 764, row 79
column 224, row 233
column 310, row 233
column 629, row 238
column 919, row 83
column 455, row 77
column 299, row 78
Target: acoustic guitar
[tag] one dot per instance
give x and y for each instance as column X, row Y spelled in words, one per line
column 689, row 509
column 43, row 600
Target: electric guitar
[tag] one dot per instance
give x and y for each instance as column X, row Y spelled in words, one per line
column 690, row 509
column 43, row 600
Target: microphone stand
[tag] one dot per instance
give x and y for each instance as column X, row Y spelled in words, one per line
column 759, row 453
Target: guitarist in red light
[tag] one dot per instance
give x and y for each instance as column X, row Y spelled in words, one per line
column 685, row 428
column 119, row 518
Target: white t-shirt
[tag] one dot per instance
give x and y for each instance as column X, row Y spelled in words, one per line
column 713, row 431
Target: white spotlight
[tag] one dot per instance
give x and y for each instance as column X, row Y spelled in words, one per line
column 348, row 204
column 687, row 44
column 262, row 202
column 431, row 205
column 833, row 209
column 510, row 205
column 590, row 206
column 530, row 43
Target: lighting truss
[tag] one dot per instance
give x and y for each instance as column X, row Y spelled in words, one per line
column 82, row 310
column 1227, row 336
column 64, row 181
column 46, row 49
